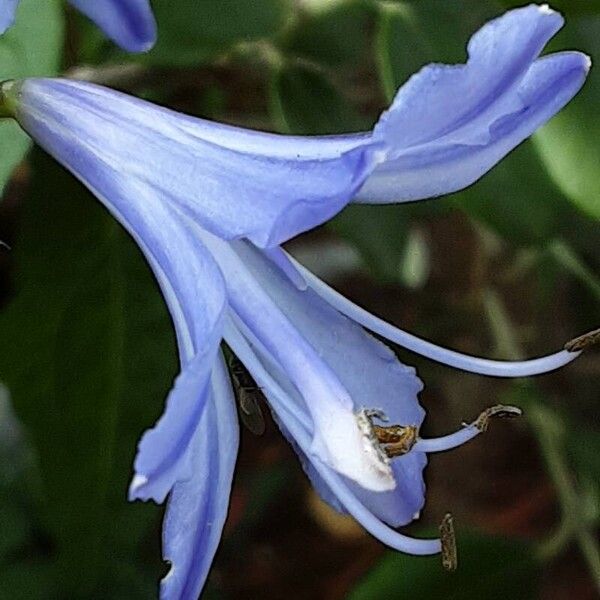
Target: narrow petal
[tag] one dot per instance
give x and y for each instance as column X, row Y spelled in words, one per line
column 368, row 371
column 448, row 165
column 164, row 453
column 8, row 9
column 197, row 508
column 193, row 287
column 129, row 23
column 233, row 182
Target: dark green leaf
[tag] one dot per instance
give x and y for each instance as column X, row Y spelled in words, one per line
column 30, row 48
column 570, row 8
column 25, row 581
column 193, row 30
column 381, row 233
column 334, row 34
column 517, row 200
column 304, row 101
column 88, row 355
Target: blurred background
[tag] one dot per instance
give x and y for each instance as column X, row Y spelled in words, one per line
column 508, row 268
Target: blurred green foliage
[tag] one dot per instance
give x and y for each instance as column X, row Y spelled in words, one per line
column 88, row 352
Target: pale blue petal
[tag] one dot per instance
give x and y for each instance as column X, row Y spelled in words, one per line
column 447, row 127
column 164, row 455
column 331, row 481
column 193, row 286
column 8, row 9
column 442, row 100
column 197, row 508
column 129, row 23
column 367, row 369
column 233, row 182
column 449, row 164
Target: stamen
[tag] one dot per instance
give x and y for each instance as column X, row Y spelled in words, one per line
column 371, row 442
column 465, row 362
column 584, row 341
column 397, row 440
column 389, row 440
column 500, row 410
column 448, row 539
column 468, row 432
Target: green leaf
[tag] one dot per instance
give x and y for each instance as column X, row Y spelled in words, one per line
column 193, row 31
column 568, row 144
column 332, row 34
column 30, row 48
column 490, row 568
column 517, row 200
column 304, row 101
column 25, row 581
column 411, row 34
column 88, row 355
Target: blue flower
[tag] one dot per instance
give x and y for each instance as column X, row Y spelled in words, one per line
column 129, row 23
column 210, row 204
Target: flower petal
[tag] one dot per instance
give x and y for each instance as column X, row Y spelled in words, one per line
column 129, row 23
column 8, row 9
column 164, row 453
column 197, row 508
column 338, row 438
column 329, row 483
column 367, row 370
column 234, row 182
column 238, row 183
column 445, row 99
column 193, row 287
column 449, row 164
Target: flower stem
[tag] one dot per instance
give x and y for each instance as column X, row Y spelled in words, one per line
column 567, row 258
column 550, row 436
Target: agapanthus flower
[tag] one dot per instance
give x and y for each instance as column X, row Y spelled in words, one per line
column 129, row 23
column 210, row 204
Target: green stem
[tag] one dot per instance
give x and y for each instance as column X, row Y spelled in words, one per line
column 382, row 54
column 567, row 258
column 549, row 431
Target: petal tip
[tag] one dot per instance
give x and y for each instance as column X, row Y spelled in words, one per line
column 545, row 9
column 137, row 483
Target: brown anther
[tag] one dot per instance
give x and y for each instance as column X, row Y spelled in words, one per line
column 584, row 341
column 501, row 411
column 396, row 440
column 448, row 539
column 388, row 434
